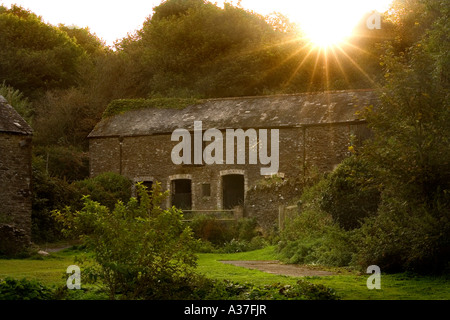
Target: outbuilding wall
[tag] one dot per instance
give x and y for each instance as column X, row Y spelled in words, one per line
column 148, row 158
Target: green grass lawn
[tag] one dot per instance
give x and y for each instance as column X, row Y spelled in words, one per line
column 349, row 285
column 50, row 270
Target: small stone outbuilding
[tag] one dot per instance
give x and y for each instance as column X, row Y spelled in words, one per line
column 315, row 133
column 15, row 180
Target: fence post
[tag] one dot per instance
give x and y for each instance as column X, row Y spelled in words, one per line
column 238, row 212
column 281, row 216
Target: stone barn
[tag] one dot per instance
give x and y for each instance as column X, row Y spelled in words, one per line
column 213, row 154
column 15, row 180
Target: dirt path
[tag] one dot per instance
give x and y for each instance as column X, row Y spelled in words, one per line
column 275, row 267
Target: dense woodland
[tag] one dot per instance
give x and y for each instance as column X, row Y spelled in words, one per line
column 61, row 79
column 185, row 49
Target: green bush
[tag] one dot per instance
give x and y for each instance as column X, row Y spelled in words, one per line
column 302, row 236
column 247, row 229
column 226, row 236
column 208, row 228
column 53, row 193
column 138, row 250
column 48, row 194
column 12, row 289
column 405, row 236
column 64, row 162
column 18, row 101
column 302, row 290
column 299, row 251
column 337, row 248
column 352, row 193
column 313, row 237
column 309, row 224
column 106, row 188
column 243, row 245
column 63, row 293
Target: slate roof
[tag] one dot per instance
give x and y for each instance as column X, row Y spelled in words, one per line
column 11, row 121
column 275, row 111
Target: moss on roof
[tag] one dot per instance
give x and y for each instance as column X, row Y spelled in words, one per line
column 163, row 116
column 123, row 105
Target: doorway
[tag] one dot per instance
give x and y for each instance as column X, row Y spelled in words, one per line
column 182, row 194
column 233, row 188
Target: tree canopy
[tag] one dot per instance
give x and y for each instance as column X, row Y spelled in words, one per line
column 35, row 56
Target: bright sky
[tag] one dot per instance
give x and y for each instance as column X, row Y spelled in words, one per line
column 113, row 19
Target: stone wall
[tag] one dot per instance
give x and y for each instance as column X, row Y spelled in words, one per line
column 327, row 145
column 320, row 149
column 148, row 158
column 15, row 183
column 264, row 200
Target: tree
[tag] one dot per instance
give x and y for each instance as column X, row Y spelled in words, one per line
column 35, row 56
column 411, row 150
column 86, row 39
column 194, row 48
column 18, row 101
column 65, row 117
column 412, row 124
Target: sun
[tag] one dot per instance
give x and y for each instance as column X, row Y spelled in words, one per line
column 326, row 23
column 324, row 37
column 330, row 22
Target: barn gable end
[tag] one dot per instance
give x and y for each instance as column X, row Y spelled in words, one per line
column 15, row 180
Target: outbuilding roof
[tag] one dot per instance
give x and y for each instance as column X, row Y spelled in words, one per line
column 11, row 121
column 277, row 111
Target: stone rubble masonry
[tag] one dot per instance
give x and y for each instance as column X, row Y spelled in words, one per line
column 138, row 145
column 148, row 158
column 15, row 175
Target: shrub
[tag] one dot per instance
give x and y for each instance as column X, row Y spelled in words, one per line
column 337, row 247
column 312, row 291
column 18, row 101
column 12, row 289
column 302, row 290
column 313, row 237
column 226, row 236
column 243, row 245
column 48, row 194
column 247, row 229
column 302, row 235
column 64, row 162
column 106, row 188
column 405, row 236
column 351, row 193
column 139, row 250
column 52, row 193
column 210, row 229
column 309, row 224
column 63, row 293
column 299, row 251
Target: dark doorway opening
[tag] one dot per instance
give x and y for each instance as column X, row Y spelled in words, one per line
column 148, row 184
column 182, row 194
column 233, row 191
